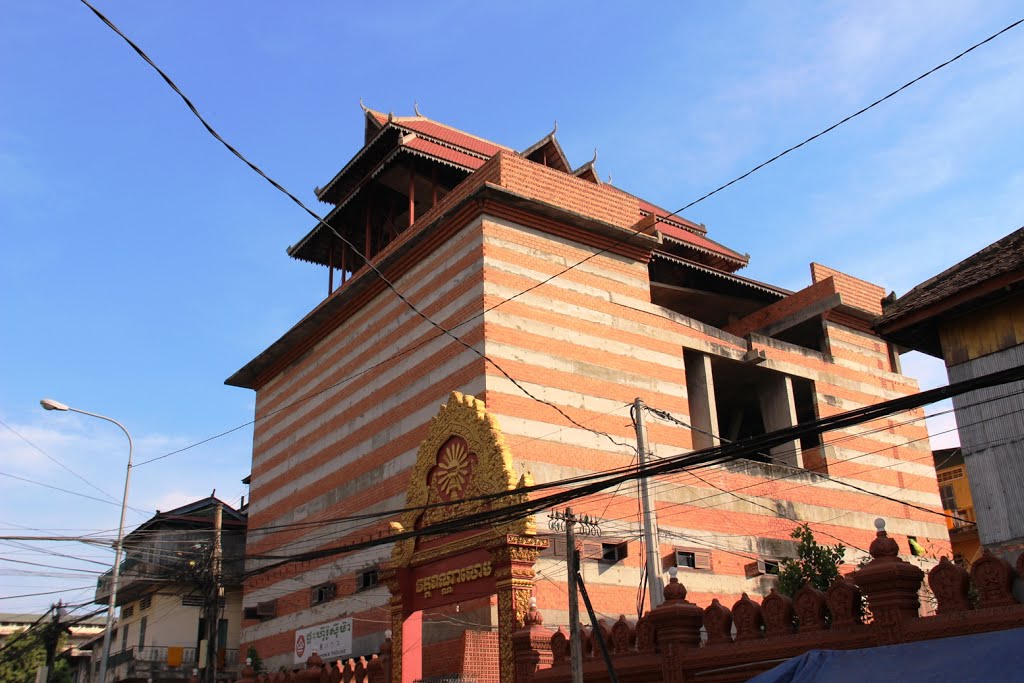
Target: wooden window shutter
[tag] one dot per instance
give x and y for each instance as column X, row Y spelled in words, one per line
column 701, row 559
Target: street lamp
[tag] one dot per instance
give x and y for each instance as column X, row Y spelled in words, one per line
column 50, row 404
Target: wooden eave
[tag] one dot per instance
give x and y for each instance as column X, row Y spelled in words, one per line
column 718, row 259
column 314, row 247
column 354, row 172
column 426, row 234
column 919, row 329
column 550, row 143
column 743, row 282
column 588, row 172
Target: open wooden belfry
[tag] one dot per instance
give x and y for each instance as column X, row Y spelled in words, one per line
column 463, row 458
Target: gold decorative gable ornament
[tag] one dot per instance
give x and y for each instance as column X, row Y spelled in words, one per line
column 463, row 457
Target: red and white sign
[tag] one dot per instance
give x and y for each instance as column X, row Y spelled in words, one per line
column 332, row 640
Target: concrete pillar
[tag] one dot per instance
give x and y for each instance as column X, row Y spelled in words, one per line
column 700, row 394
column 778, row 411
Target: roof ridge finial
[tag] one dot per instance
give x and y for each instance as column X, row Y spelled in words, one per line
column 555, row 129
column 366, row 110
column 416, row 107
column 609, row 181
column 594, row 160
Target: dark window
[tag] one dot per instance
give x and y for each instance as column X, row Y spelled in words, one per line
column 124, row 637
column 321, row 593
column 692, row 558
column 142, row 633
column 614, row 552
column 250, row 613
column 367, row 579
column 146, row 602
column 127, row 611
column 948, row 497
column 770, row 567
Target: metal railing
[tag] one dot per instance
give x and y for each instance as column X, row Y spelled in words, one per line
column 162, row 657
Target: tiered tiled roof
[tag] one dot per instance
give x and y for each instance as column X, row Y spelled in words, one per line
column 437, row 141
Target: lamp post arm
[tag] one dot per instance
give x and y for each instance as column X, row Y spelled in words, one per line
column 118, row 548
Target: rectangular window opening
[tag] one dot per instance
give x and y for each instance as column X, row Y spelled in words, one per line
column 692, row 558
column 321, row 593
column 614, row 552
column 367, row 579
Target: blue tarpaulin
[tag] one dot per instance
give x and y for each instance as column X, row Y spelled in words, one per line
column 995, row 656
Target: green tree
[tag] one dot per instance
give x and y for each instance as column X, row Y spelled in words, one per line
column 23, row 654
column 816, row 563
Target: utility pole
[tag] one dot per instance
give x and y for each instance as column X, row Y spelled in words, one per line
column 213, row 601
column 51, row 636
column 655, row 589
column 568, row 520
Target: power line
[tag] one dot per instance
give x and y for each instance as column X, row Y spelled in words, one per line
column 703, row 458
column 533, row 287
column 848, row 118
column 55, row 460
column 369, row 264
column 57, row 488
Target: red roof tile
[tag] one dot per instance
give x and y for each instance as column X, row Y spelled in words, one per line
column 445, row 153
column 700, row 242
column 450, row 135
column 647, row 207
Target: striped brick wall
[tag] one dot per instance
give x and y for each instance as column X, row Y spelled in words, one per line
column 348, row 449
column 588, row 342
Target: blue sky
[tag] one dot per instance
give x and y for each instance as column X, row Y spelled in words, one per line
column 142, row 264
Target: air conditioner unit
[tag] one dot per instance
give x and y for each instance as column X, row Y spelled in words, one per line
column 266, row 609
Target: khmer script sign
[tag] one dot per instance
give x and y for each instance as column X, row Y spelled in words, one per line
column 332, row 640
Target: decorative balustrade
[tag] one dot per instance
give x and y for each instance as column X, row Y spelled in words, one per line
column 681, row 641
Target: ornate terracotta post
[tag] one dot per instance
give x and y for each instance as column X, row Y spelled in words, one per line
column 513, row 561
column 677, row 625
column 532, row 645
column 248, row 674
column 379, row 668
column 889, row 583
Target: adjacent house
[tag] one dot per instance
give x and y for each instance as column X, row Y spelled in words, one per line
column 556, row 298
column 972, row 317
column 166, row 594
column 958, row 503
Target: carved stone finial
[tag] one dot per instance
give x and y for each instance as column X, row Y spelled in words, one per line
column 844, row 598
column 883, row 548
column 777, row 610
column 560, row 646
column 416, row 108
column 622, row 635
column 993, row 580
column 746, row 615
column 674, row 591
column 951, row 584
column 809, row 605
column 391, row 116
column 718, row 623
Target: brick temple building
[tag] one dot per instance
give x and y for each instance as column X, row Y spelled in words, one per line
column 484, row 241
